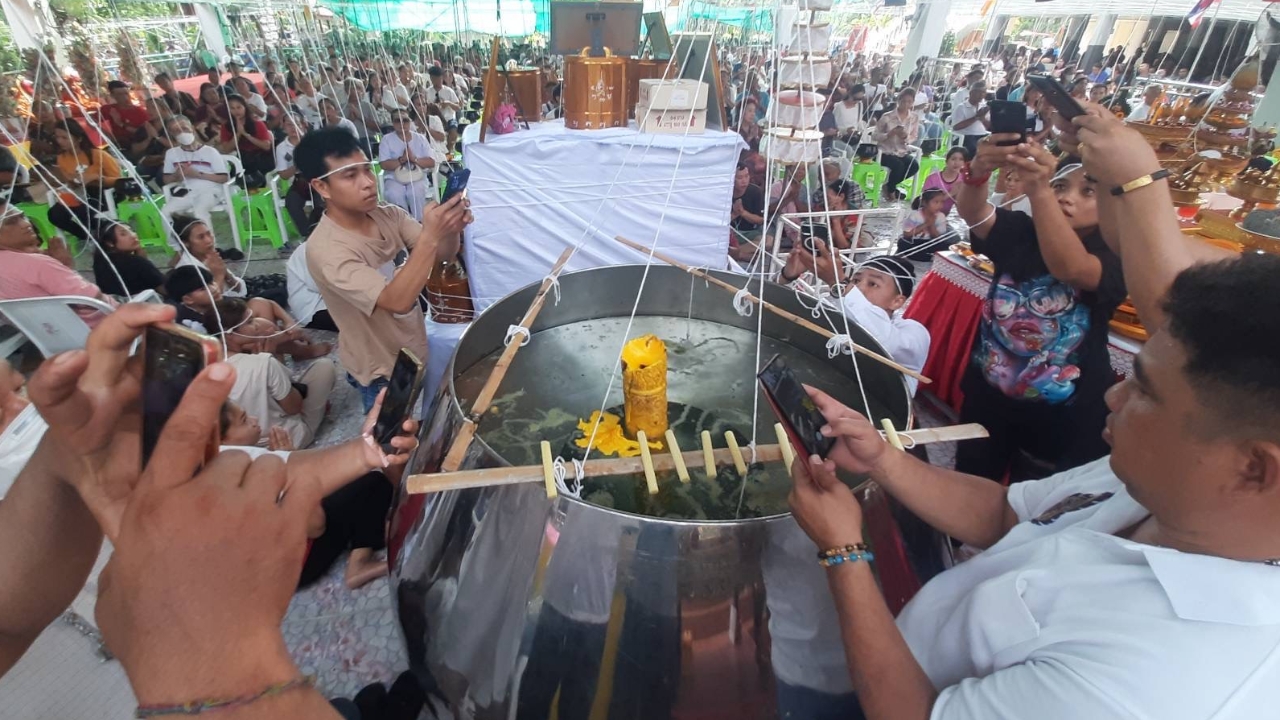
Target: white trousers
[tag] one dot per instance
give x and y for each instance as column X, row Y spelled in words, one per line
column 198, row 203
column 411, row 196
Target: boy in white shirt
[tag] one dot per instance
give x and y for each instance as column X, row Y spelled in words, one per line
column 872, row 296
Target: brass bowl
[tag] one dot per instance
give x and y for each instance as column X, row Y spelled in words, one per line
column 1250, row 192
column 1185, row 198
column 1260, row 243
column 1228, row 164
column 1214, row 137
column 1228, row 120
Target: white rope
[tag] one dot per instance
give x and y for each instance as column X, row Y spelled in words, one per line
column 514, row 331
column 742, row 304
column 554, row 285
column 839, row 344
column 561, row 473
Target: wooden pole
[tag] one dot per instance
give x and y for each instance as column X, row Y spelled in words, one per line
column 491, row 91
column 802, row 322
column 460, row 480
column 453, row 460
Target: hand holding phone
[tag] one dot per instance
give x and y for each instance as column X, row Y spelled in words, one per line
column 1057, row 96
column 172, row 358
column 399, row 399
column 797, row 411
column 457, row 183
column 1009, row 117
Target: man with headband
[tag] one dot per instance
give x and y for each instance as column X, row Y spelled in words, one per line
column 371, row 262
column 871, row 296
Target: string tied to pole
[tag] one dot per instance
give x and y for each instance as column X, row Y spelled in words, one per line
column 514, row 331
column 742, row 303
column 839, row 344
column 554, row 284
column 561, row 473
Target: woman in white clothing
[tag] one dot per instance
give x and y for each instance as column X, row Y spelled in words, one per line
column 407, row 158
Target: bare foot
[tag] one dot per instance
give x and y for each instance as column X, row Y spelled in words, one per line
column 363, row 567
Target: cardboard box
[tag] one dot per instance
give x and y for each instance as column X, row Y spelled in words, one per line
column 671, row 122
column 672, row 94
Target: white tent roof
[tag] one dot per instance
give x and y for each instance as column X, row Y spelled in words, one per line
column 1225, row 9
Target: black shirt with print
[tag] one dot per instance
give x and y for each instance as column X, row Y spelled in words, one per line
column 1039, row 339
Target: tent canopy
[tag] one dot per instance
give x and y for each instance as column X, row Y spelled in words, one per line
column 518, row 18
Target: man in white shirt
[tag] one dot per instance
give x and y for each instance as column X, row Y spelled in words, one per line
column 308, row 102
column 447, row 99
column 299, row 193
column 1150, row 97
column 971, row 118
column 1142, row 585
column 958, row 97
column 194, row 172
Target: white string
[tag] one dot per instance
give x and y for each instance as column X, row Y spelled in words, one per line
column 742, row 304
column 560, row 473
column 514, row 331
column 555, row 286
column 838, row 344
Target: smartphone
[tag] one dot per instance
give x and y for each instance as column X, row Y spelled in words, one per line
column 402, row 394
column 1057, row 96
column 811, row 244
column 456, row 183
column 172, row 358
column 1009, row 116
column 800, row 416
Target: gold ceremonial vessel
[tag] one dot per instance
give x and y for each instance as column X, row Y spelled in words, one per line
column 642, row 69
column 595, row 91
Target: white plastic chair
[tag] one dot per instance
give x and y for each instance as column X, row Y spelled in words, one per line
column 51, row 323
column 277, row 202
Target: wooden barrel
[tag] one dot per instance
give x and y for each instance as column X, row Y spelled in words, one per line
column 595, row 91
column 637, row 70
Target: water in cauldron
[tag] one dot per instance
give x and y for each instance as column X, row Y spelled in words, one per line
column 560, row 377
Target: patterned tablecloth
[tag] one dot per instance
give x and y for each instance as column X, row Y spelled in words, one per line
column 948, row 302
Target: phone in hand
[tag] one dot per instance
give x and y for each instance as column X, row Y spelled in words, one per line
column 172, row 358
column 797, row 411
column 401, row 396
column 1009, row 116
column 1057, row 95
column 457, row 183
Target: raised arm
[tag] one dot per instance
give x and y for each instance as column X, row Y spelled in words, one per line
column 438, row 223
column 972, row 198
column 1064, row 253
column 1154, row 250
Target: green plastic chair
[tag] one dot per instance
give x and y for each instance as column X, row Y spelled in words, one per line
column 38, row 214
column 256, row 215
column 928, row 165
column 871, row 177
column 147, row 223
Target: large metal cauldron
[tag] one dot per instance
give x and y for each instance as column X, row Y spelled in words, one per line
column 513, row 605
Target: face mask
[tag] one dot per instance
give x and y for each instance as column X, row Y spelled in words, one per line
column 186, row 138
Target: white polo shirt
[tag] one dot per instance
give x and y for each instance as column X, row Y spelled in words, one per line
column 965, row 111
column 1062, row 620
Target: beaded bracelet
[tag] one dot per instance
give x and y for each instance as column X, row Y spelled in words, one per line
column 857, row 547
column 195, row 707
column 852, row 557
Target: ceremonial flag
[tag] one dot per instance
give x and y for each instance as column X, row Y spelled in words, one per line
column 986, row 7
column 1197, row 13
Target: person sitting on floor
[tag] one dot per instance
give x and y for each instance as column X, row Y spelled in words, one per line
column 925, row 227
column 26, row 271
column 263, row 384
column 193, row 292
column 351, row 518
column 120, row 265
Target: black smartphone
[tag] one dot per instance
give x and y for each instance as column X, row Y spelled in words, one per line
column 795, row 408
column 811, row 244
column 1057, row 95
column 456, row 183
column 1009, row 116
column 402, row 393
column 172, row 358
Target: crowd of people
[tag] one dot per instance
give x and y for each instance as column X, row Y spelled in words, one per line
column 1103, row 509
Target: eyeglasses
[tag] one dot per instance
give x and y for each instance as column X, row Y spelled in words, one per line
column 1048, row 302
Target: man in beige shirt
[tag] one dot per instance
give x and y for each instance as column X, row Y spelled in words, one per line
column 371, row 262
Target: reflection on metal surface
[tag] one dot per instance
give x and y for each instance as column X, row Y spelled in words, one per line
column 515, row 606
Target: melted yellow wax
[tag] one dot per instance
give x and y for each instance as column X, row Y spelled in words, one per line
column 610, row 439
